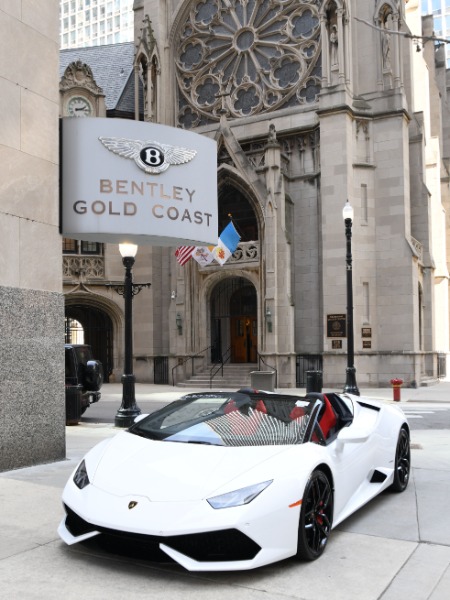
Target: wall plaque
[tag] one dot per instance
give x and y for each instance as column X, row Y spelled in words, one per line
column 337, row 326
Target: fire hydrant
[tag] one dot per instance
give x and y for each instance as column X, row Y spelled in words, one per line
column 396, row 385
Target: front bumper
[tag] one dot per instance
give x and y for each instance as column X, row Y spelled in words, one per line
column 192, row 534
column 216, row 546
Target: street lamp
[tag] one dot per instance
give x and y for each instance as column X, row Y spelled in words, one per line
column 128, row 410
column 350, row 380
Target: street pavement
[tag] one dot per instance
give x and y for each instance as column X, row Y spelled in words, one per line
column 397, row 547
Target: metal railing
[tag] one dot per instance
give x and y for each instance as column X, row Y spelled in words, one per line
column 305, row 363
column 261, row 360
column 192, row 357
column 216, row 368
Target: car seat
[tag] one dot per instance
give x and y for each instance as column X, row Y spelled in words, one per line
column 328, row 419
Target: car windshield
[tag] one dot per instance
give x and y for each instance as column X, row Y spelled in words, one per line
column 230, row 419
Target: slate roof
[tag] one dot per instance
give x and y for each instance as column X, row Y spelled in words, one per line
column 112, row 67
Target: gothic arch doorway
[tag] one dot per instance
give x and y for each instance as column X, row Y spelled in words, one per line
column 234, row 323
column 97, row 329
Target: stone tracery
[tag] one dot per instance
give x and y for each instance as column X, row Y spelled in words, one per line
column 247, row 57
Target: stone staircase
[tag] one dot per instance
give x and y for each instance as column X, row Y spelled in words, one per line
column 235, row 376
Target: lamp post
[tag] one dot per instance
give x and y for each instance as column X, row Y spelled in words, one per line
column 350, row 379
column 128, row 410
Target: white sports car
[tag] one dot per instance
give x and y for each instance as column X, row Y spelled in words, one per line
column 236, row 480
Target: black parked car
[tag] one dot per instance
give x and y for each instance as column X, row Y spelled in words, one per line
column 84, row 378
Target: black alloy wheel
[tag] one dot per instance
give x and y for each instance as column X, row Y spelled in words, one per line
column 402, row 462
column 316, row 517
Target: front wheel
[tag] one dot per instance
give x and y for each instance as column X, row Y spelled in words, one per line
column 402, row 462
column 316, row 517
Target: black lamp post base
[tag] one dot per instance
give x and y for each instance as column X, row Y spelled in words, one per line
column 125, row 417
column 350, row 386
column 129, row 410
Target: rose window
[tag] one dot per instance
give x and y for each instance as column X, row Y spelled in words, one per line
column 247, row 57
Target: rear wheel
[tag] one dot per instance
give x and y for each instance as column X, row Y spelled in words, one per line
column 402, row 462
column 316, row 517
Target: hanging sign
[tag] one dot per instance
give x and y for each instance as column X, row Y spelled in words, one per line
column 138, row 182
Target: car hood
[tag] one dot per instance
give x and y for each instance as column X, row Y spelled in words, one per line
column 174, row 471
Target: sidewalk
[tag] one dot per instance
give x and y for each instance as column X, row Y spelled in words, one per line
column 397, row 547
column 439, row 392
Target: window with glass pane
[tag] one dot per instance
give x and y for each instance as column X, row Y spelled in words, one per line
column 76, row 247
column 69, row 246
column 436, row 6
column 91, row 248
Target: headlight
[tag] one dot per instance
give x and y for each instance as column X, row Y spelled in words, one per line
column 81, row 479
column 238, row 497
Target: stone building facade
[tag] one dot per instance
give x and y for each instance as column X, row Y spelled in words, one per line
column 312, row 103
column 32, row 407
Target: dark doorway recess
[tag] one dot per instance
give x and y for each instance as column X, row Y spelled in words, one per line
column 234, row 329
column 232, row 202
column 98, row 333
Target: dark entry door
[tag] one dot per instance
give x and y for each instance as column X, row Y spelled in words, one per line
column 234, row 325
column 243, row 339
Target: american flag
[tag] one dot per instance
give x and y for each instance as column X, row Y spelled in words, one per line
column 184, row 253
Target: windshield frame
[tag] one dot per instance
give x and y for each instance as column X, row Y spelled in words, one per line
column 243, row 418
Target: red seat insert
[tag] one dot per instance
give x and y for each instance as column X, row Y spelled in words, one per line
column 328, row 420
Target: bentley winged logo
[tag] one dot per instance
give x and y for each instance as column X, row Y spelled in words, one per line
column 151, row 157
column 132, row 504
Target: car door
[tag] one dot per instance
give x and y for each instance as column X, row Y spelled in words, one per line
column 353, row 454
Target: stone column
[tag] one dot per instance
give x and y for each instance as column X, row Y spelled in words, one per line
column 325, row 53
column 341, row 44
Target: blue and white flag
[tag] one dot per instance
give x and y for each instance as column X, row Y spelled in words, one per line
column 230, row 237
column 227, row 244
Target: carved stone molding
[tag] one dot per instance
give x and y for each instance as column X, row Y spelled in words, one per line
column 245, row 253
column 79, row 74
column 88, row 267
